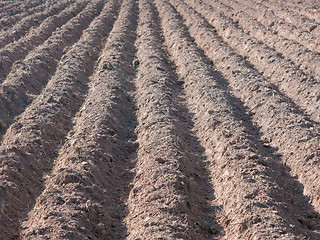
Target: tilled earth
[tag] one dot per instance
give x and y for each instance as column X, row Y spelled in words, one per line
column 160, row 119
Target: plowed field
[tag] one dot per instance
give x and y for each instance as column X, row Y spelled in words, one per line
column 160, row 119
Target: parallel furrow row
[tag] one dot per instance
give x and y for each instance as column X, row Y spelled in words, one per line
column 9, row 17
column 159, row 119
column 278, row 25
column 294, row 18
column 238, row 161
column 28, row 77
column 14, row 7
column 309, row 9
column 95, row 160
column 282, row 124
column 305, row 8
column 280, row 71
column 33, row 20
column 31, row 144
column 19, row 49
column 307, row 60
column 168, row 198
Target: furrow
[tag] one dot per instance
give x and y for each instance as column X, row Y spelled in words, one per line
column 305, row 8
column 294, row 18
column 305, row 59
column 31, row 144
column 244, row 179
column 24, row 25
column 283, row 126
column 27, row 10
column 302, row 89
column 17, row 7
column 168, row 196
column 18, row 50
column 9, row 17
column 91, row 175
column 28, row 77
column 278, row 25
column 309, row 9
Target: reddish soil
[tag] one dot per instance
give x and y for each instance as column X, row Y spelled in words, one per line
column 32, row 20
column 28, row 77
column 263, row 13
column 11, row 13
column 19, row 49
column 159, row 119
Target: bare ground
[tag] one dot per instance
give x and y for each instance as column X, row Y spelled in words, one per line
column 159, row 119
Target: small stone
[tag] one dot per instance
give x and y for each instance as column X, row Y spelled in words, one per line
column 107, row 66
column 160, row 69
column 313, row 27
column 135, row 63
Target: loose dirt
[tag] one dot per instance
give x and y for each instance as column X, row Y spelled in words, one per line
column 159, row 119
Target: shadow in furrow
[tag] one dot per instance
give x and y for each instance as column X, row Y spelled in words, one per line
column 91, row 178
column 197, row 169
column 293, row 204
column 172, row 168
